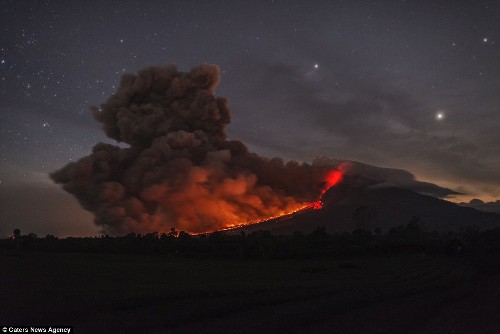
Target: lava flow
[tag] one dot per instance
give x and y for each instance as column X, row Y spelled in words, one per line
column 331, row 179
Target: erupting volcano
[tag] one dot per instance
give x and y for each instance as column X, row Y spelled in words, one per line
column 332, row 178
column 179, row 169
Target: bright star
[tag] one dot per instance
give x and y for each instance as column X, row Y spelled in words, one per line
column 485, row 39
column 439, row 115
column 316, row 66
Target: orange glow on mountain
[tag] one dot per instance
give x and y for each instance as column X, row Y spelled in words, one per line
column 332, row 178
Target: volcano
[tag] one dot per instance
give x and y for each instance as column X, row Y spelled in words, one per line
column 358, row 202
column 177, row 168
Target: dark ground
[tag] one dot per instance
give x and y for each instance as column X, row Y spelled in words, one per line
column 110, row 293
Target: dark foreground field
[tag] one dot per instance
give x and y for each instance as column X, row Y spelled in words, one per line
column 109, row 293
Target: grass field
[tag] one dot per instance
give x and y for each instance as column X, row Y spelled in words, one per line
column 105, row 293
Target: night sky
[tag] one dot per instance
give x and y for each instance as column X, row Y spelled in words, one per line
column 402, row 84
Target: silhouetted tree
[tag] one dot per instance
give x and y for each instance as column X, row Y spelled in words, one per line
column 17, row 233
column 173, row 232
column 151, row 236
column 183, row 235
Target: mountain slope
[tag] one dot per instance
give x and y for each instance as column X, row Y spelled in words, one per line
column 357, row 203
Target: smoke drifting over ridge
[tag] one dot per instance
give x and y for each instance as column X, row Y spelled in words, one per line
column 180, row 171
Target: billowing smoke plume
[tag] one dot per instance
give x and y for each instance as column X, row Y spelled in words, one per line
column 179, row 170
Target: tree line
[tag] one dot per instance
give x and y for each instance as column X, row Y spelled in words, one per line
column 265, row 245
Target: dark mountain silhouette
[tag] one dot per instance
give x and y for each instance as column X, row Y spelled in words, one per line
column 482, row 206
column 359, row 202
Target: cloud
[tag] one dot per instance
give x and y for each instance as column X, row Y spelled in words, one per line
column 344, row 110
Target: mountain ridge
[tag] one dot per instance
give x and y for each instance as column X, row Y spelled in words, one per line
column 358, row 202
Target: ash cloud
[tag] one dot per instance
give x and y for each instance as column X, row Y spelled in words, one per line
column 179, row 170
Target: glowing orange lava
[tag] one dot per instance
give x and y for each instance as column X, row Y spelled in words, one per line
column 331, row 179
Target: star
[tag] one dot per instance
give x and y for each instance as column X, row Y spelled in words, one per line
column 316, row 66
column 440, row 115
column 485, row 39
